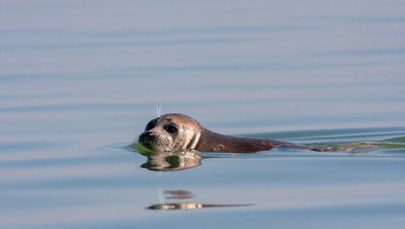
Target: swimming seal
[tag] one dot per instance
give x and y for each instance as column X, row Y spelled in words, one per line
column 179, row 132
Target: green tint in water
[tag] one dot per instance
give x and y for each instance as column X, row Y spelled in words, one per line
column 396, row 140
column 344, row 139
column 392, row 143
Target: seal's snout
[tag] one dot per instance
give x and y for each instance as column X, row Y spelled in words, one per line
column 146, row 136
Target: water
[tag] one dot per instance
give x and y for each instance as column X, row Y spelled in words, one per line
column 79, row 80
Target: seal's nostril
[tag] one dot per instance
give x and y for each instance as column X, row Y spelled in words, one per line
column 146, row 134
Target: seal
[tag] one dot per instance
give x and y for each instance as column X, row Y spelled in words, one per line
column 178, row 132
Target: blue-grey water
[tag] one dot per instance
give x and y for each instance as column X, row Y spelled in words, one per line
column 80, row 79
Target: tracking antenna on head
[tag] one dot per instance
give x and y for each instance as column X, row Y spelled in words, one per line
column 158, row 108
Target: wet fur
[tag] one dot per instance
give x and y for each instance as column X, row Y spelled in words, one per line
column 214, row 142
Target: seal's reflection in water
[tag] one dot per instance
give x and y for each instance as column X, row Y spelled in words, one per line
column 172, row 161
column 184, row 194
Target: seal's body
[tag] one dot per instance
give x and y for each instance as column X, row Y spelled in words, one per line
column 178, row 132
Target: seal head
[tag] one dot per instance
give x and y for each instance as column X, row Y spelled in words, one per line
column 171, row 132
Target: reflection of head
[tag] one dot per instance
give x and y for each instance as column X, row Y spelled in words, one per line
column 171, row 132
column 192, row 206
column 184, row 194
column 173, row 161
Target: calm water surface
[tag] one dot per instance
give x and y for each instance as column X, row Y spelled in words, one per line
column 79, row 80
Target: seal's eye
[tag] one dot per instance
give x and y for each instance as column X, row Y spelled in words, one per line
column 171, row 129
column 150, row 124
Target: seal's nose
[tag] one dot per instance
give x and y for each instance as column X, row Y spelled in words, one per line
column 145, row 137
